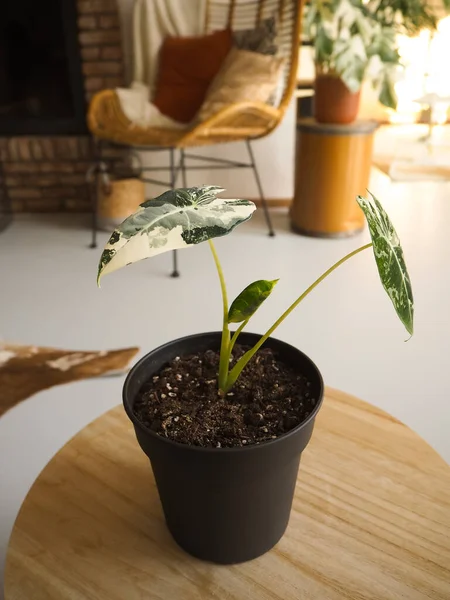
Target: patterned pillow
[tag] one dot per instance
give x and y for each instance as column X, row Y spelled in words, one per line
column 261, row 39
column 244, row 76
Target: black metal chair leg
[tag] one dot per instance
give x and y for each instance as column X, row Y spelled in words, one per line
column 261, row 193
column 92, row 181
column 183, row 169
column 6, row 213
column 94, row 202
column 173, row 176
column 175, row 271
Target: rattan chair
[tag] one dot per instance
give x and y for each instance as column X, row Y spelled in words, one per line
column 243, row 121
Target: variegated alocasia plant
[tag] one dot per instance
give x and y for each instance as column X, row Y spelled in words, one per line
column 176, row 219
column 184, row 217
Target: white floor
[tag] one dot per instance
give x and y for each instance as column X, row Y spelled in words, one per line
column 48, row 296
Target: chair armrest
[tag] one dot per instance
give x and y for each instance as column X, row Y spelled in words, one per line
column 107, row 120
column 104, row 109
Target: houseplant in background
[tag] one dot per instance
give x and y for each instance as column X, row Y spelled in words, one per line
column 409, row 17
column 225, row 425
column 355, row 41
column 350, row 44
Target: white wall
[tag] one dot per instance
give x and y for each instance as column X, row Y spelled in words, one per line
column 274, row 154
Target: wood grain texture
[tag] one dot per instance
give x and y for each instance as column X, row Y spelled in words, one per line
column 370, row 521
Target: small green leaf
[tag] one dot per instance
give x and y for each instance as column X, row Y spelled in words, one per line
column 389, row 258
column 387, row 95
column 249, row 300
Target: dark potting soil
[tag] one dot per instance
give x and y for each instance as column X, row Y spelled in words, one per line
column 182, row 401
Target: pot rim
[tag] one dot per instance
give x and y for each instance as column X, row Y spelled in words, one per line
column 189, row 447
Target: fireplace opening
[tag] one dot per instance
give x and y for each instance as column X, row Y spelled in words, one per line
column 41, row 84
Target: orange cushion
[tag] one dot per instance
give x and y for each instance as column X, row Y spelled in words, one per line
column 187, row 65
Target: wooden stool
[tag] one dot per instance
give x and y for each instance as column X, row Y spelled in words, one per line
column 370, row 520
column 332, row 167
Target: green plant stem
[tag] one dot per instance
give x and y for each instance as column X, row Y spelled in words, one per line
column 242, row 362
column 225, row 342
column 236, row 335
column 225, row 358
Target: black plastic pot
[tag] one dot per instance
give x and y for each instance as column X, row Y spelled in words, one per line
column 225, row 505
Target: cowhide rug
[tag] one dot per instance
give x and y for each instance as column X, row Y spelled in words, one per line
column 26, row 370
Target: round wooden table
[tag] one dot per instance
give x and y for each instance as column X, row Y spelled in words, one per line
column 370, row 520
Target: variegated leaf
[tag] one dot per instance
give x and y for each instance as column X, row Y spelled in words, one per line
column 176, row 219
column 250, row 299
column 390, row 261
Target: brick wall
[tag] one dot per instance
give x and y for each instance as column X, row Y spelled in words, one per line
column 100, row 44
column 47, row 173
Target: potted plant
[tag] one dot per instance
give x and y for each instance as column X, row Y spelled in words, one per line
column 350, row 44
column 225, row 416
column 354, row 41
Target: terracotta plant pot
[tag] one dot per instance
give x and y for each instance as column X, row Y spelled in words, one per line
column 333, row 101
column 224, row 505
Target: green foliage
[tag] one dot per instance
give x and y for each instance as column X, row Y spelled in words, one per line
column 249, row 300
column 357, row 40
column 387, row 95
column 405, row 16
column 182, row 217
column 389, row 259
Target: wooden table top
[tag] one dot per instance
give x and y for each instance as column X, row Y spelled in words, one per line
column 370, row 521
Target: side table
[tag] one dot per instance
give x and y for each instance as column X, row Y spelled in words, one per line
column 370, row 520
column 332, row 167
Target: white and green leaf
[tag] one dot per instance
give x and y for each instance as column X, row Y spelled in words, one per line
column 250, row 299
column 387, row 95
column 177, row 219
column 358, row 41
column 346, row 14
column 389, row 259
